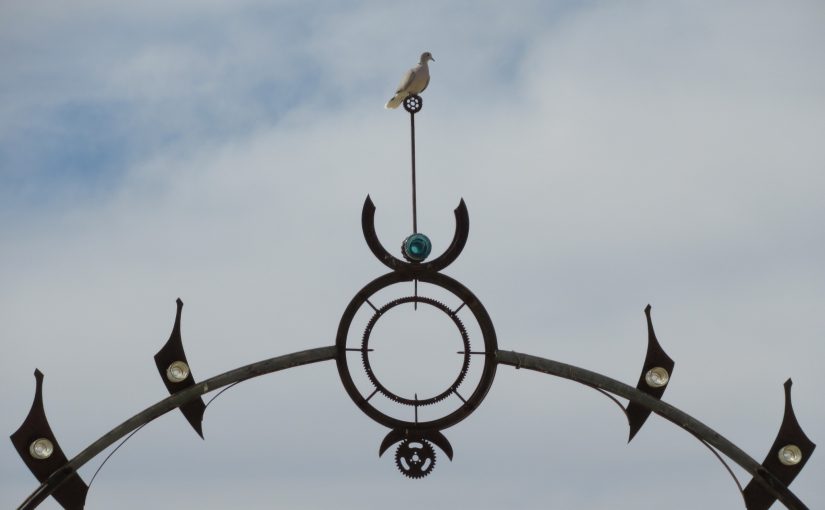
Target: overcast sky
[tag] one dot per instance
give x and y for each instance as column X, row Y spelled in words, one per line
column 611, row 155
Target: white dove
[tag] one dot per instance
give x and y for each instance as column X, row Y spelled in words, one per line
column 414, row 82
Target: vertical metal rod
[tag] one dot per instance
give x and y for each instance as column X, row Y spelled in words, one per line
column 414, row 209
column 412, row 145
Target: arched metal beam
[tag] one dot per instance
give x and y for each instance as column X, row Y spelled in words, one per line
column 170, row 403
column 663, row 409
column 518, row 360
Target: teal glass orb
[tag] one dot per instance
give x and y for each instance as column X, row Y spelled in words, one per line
column 416, row 247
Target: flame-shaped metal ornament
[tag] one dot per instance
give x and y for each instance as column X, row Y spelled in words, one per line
column 656, row 373
column 174, row 370
column 790, row 451
column 38, row 447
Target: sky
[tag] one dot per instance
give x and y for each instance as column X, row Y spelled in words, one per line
column 611, row 155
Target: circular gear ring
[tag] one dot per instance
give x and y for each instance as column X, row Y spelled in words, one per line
column 486, row 356
column 465, row 365
column 415, row 459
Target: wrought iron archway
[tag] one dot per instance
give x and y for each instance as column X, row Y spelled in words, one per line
column 415, row 455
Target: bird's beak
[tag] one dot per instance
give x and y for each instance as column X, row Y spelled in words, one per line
column 431, row 58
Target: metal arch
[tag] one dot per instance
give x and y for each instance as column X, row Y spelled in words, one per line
column 681, row 419
column 512, row 358
column 170, row 403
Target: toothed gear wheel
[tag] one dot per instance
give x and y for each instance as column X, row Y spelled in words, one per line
column 415, row 459
column 389, row 394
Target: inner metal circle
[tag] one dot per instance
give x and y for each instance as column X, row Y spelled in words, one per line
column 371, row 374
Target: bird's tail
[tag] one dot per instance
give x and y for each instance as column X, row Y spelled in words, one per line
column 395, row 101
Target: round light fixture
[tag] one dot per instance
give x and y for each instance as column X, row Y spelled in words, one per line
column 790, row 455
column 41, row 448
column 657, row 377
column 177, row 372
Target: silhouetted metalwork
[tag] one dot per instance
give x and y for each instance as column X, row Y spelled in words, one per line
column 656, row 373
column 38, row 447
column 415, row 459
column 174, row 370
column 413, row 104
column 517, row 360
column 428, row 272
column 415, row 456
column 462, row 229
column 415, row 402
column 67, row 471
column 761, row 476
column 790, row 451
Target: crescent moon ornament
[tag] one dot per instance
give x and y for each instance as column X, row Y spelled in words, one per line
column 354, row 356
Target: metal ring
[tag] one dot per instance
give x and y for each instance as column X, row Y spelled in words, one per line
column 487, row 332
column 383, row 389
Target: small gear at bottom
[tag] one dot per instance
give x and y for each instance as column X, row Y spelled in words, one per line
column 415, row 458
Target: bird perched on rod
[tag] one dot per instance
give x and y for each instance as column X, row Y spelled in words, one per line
column 414, row 82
